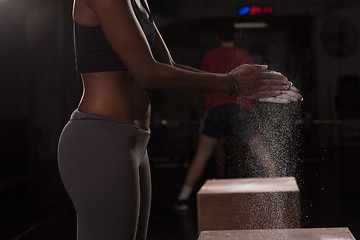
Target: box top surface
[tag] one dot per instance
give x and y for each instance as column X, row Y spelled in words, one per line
column 249, row 185
column 280, row 234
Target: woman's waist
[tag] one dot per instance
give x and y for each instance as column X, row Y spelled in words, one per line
column 87, row 128
column 138, row 116
column 81, row 115
column 116, row 96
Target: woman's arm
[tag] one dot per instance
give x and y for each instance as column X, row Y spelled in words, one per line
column 128, row 41
column 162, row 54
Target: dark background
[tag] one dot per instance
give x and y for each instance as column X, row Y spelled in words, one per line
column 314, row 43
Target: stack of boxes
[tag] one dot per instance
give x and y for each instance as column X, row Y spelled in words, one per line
column 257, row 208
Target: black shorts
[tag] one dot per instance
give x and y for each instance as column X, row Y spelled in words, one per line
column 229, row 120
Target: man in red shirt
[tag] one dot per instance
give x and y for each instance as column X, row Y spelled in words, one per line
column 225, row 116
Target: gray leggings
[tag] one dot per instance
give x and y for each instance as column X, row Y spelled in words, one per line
column 105, row 170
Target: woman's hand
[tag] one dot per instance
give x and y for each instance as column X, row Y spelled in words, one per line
column 287, row 96
column 256, row 81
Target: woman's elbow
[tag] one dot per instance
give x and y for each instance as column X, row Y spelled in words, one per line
column 145, row 82
column 146, row 77
column 151, row 74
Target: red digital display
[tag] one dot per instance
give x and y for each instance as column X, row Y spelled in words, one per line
column 255, row 10
column 268, row 10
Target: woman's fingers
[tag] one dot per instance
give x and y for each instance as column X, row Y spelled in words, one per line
column 292, row 95
column 256, row 67
column 284, row 97
column 274, row 100
column 257, row 82
column 287, row 97
column 265, row 94
column 274, row 85
column 272, row 81
column 268, row 74
column 294, row 89
column 251, row 67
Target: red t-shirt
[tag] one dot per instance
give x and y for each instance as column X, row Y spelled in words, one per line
column 223, row 60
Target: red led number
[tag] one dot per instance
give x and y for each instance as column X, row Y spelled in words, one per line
column 267, row 10
column 254, row 10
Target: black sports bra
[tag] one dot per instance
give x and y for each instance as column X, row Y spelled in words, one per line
column 93, row 52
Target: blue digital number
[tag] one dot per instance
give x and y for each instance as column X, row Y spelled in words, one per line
column 244, row 10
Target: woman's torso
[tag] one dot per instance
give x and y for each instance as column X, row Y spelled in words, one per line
column 111, row 94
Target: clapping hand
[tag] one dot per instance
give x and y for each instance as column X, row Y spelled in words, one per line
column 287, row 96
column 259, row 83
